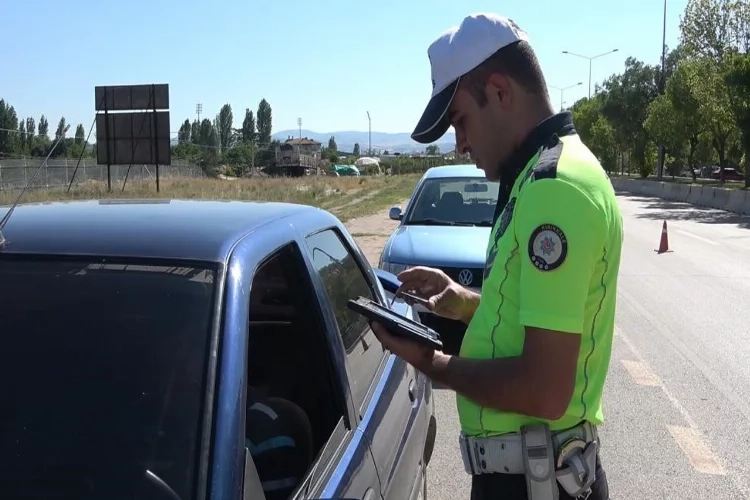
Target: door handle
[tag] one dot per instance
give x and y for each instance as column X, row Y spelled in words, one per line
column 411, row 390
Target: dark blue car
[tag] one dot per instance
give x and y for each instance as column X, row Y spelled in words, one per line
column 133, row 332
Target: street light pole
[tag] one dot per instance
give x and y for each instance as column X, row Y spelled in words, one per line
column 563, row 89
column 590, row 59
column 662, row 85
column 369, row 135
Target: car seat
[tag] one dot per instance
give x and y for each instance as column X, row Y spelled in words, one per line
column 450, row 204
column 279, row 437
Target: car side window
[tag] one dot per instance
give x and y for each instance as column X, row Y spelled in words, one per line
column 343, row 280
column 293, row 391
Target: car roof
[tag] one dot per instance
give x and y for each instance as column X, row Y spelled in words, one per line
column 464, row 170
column 157, row 229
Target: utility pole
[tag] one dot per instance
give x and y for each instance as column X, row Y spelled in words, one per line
column 662, row 86
column 198, row 111
column 590, row 59
column 369, row 134
column 563, row 89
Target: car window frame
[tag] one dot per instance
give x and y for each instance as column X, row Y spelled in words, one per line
column 378, row 293
column 343, row 430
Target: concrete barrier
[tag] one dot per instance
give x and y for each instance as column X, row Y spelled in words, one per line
column 694, row 194
column 676, row 192
column 731, row 200
column 738, row 202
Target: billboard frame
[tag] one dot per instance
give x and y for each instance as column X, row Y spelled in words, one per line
column 118, row 106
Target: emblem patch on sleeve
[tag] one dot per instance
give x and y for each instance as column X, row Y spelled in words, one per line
column 548, row 247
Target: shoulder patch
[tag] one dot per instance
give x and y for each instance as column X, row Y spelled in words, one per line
column 546, row 166
column 548, row 247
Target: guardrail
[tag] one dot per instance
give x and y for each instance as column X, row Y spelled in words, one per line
column 731, row 200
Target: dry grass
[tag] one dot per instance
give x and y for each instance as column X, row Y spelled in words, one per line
column 346, row 197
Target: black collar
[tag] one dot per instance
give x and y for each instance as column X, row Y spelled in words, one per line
column 559, row 124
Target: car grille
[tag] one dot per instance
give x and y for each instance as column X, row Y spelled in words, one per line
column 455, row 273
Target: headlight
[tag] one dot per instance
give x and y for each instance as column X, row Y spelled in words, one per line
column 394, row 268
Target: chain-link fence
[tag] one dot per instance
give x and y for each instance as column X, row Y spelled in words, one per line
column 16, row 173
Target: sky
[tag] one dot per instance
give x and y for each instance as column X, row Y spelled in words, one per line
column 327, row 62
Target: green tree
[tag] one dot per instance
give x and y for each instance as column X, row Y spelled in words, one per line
column 625, row 105
column 332, row 146
column 183, row 135
column 596, row 131
column 195, row 132
column 8, row 123
column 356, row 152
column 248, row 127
column 224, row 121
column 264, row 122
column 20, row 143
column 708, row 28
column 60, row 132
column 43, row 126
column 737, row 80
column 603, row 143
column 714, row 106
column 240, row 158
column 674, row 118
column 80, row 136
column 62, row 148
column 30, row 133
column 432, row 149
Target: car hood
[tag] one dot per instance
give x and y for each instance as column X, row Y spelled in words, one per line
column 439, row 246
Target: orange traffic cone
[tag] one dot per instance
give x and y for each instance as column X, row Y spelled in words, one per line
column 664, row 242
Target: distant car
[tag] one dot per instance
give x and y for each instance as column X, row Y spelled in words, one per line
column 447, row 225
column 132, row 331
column 730, row 174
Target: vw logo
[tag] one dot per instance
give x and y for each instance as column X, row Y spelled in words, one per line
column 465, row 277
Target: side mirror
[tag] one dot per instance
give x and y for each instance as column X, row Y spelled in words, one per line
column 395, row 213
column 389, row 280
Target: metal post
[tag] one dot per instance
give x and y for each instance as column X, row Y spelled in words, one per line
column 590, row 59
column 369, row 125
column 153, row 133
column 662, row 86
column 563, row 89
column 106, row 128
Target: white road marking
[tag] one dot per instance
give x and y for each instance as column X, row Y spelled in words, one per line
column 701, row 238
column 641, row 373
column 691, row 440
column 699, row 454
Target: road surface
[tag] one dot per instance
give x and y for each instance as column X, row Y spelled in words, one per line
column 677, row 400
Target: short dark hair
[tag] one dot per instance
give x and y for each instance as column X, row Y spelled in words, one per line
column 516, row 61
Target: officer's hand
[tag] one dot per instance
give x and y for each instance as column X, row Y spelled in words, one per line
column 446, row 297
column 417, row 355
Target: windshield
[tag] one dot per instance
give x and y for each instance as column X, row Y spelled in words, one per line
column 102, row 378
column 466, row 201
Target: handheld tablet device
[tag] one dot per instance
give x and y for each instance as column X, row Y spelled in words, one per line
column 395, row 323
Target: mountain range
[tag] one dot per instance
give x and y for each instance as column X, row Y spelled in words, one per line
column 381, row 141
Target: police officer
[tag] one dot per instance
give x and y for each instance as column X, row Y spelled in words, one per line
column 532, row 365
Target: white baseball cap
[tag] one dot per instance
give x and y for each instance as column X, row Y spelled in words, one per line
column 455, row 53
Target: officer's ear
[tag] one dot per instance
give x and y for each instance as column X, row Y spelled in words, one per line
column 500, row 90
